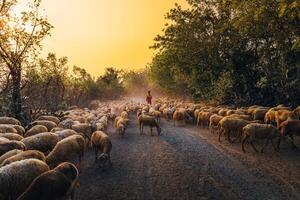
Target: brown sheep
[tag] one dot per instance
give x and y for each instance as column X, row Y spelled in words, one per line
column 65, row 150
column 231, row 126
column 101, row 142
column 259, row 114
column 49, row 118
column 297, row 112
column 124, row 115
column 56, row 129
column 23, row 156
column 86, row 129
column 270, row 117
column 17, row 176
column 168, row 113
column 9, row 154
column 283, row 115
column 179, row 116
column 20, row 129
column 203, row 118
column 58, row 183
column 11, row 136
column 244, row 117
column 7, row 128
column 6, row 146
column 36, row 130
column 222, row 112
column 146, row 120
column 214, row 121
column 258, row 132
column 66, row 133
column 67, row 124
column 49, row 124
column 43, row 142
column 155, row 114
column 9, row 120
column 121, row 126
column 289, row 128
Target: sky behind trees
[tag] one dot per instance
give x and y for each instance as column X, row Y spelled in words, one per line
column 95, row 34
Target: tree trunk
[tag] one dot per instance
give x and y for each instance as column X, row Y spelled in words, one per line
column 16, row 105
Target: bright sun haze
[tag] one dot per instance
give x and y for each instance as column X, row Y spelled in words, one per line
column 96, row 34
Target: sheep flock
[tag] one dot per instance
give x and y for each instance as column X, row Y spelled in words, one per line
column 43, row 160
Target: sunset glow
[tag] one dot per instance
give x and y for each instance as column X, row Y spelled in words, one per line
column 95, row 34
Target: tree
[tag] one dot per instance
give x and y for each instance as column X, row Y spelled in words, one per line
column 20, row 39
column 109, row 85
column 253, row 44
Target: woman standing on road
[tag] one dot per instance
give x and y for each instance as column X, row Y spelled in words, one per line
column 149, row 98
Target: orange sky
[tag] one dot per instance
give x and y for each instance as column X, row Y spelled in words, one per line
column 95, row 34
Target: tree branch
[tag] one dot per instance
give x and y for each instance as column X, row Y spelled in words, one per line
column 30, row 38
column 2, row 6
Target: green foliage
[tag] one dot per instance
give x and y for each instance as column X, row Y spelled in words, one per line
column 51, row 86
column 231, row 51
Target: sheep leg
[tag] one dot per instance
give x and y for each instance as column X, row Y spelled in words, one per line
column 210, row 129
column 243, row 142
column 140, row 126
column 174, row 122
column 151, row 130
column 252, row 144
column 274, row 146
column 158, row 131
column 220, row 133
column 96, row 153
column 228, row 138
column 292, row 142
column 109, row 161
column 278, row 142
column 142, row 129
column 266, row 144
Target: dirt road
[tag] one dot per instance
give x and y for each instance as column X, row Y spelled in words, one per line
column 189, row 163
